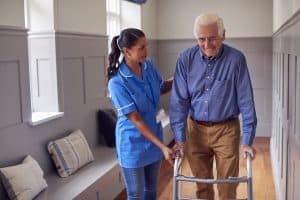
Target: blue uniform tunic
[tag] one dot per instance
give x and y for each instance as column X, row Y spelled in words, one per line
column 130, row 93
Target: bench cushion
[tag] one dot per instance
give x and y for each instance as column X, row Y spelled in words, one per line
column 84, row 178
column 70, row 153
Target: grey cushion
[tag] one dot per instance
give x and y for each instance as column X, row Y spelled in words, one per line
column 23, row 181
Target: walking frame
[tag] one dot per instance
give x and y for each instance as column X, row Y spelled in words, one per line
column 178, row 177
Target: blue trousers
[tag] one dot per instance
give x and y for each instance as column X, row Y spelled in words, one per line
column 141, row 183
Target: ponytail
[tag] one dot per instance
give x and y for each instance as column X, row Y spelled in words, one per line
column 127, row 38
column 113, row 58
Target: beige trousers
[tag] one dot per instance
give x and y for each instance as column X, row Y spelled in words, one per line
column 206, row 143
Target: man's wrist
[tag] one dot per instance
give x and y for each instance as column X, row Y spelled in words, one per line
column 180, row 145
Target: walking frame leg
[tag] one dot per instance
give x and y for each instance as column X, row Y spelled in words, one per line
column 175, row 189
column 177, row 170
column 249, row 177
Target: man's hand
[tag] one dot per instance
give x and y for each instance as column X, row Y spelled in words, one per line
column 179, row 146
column 248, row 149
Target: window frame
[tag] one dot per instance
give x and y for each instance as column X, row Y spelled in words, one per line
column 113, row 15
column 40, row 112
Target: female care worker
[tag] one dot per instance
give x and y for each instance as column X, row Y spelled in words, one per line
column 135, row 87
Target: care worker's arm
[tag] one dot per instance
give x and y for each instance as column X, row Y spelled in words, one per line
column 137, row 120
column 167, row 86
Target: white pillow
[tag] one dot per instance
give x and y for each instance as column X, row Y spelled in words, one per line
column 23, row 181
column 70, row 153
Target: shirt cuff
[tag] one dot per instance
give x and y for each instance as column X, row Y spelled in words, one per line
column 127, row 108
column 247, row 139
column 178, row 137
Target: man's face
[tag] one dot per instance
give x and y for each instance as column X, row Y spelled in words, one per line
column 209, row 40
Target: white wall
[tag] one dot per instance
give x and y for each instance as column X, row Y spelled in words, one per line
column 12, row 13
column 130, row 15
column 283, row 10
column 149, row 19
column 88, row 16
column 242, row 18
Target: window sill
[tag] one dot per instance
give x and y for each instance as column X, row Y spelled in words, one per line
column 43, row 117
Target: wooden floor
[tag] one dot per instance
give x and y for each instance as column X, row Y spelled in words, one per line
column 263, row 186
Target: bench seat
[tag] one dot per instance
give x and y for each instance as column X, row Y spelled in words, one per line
column 100, row 179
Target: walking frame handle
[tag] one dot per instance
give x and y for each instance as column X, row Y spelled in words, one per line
column 177, row 163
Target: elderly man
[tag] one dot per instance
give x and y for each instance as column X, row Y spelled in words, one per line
column 211, row 88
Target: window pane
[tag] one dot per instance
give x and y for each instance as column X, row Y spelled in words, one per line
column 113, row 6
column 113, row 17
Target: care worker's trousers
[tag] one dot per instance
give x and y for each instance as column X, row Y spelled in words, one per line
column 141, row 182
column 220, row 142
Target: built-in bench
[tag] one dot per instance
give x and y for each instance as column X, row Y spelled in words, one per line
column 100, row 179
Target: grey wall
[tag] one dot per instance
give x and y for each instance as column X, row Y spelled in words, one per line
column 258, row 52
column 285, row 142
column 81, row 67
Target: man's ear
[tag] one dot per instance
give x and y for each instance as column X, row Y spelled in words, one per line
column 223, row 36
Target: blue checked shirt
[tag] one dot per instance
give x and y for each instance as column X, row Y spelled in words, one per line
column 212, row 90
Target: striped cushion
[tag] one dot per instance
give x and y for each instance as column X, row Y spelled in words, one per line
column 70, row 153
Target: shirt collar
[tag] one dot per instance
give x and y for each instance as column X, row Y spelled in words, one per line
column 215, row 57
column 126, row 72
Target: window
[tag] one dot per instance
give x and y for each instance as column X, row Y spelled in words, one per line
column 42, row 61
column 113, row 9
column 120, row 15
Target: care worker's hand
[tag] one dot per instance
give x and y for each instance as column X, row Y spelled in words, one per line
column 168, row 153
column 248, row 149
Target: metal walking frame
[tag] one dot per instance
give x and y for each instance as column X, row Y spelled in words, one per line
column 178, row 177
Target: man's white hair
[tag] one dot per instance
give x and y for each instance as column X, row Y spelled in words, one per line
column 209, row 18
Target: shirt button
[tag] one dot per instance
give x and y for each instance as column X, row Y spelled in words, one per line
column 207, row 89
column 209, row 65
column 208, row 77
column 205, row 113
column 206, row 101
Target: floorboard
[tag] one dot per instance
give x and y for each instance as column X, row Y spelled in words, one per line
column 263, row 185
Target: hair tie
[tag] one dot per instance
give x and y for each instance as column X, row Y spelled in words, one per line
column 121, row 57
column 118, row 40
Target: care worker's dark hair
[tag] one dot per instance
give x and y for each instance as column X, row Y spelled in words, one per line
column 127, row 38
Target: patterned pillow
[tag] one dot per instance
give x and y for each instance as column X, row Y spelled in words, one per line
column 70, row 153
column 23, row 181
